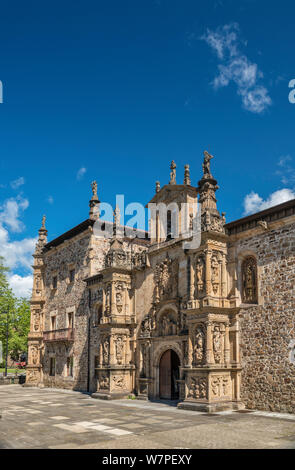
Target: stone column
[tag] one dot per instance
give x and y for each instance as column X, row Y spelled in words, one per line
column 226, row 345
column 192, row 278
column 223, row 276
column 237, row 340
column 209, row 346
column 208, row 271
column 190, row 349
column 112, row 358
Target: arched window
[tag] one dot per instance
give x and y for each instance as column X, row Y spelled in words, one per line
column 249, row 281
column 98, row 314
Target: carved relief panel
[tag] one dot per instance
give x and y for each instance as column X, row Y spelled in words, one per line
column 197, row 387
column 199, row 341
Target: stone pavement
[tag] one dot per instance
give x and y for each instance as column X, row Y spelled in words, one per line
column 51, row 418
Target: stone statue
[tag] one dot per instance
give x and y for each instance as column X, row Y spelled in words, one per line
column 172, row 173
column 43, row 221
column 94, row 188
column 206, row 164
column 217, row 343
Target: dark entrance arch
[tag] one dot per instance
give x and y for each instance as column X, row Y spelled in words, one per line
column 168, row 375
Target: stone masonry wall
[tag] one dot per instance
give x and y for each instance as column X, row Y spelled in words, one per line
column 67, row 296
column 268, row 376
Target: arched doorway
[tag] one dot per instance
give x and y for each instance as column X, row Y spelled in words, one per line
column 168, row 375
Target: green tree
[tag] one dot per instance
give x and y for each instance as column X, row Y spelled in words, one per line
column 17, row 313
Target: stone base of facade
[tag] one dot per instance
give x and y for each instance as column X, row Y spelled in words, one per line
column 211, row 407
column 110, row 396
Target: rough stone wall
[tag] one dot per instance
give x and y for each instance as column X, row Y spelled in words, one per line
column 67, row 295
column 268, row 376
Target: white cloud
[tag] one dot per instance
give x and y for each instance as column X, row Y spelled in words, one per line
column 17, row 253
column 21, row 286
column 17, row 183
column 81, row 172
column 286, row 170
column 10, row 212
column 254, row 203
column 237, row 68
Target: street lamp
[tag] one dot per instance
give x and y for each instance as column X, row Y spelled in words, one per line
column 6, row 352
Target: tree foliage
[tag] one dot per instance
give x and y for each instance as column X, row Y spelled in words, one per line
column 16, row 313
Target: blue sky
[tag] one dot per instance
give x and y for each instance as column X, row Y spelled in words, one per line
column 115, row 90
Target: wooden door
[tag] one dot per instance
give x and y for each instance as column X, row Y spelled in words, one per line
column 165, row 375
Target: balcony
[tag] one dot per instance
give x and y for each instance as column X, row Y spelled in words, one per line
column 64, row 334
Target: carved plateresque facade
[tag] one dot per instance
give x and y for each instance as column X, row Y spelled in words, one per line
column 209, row 322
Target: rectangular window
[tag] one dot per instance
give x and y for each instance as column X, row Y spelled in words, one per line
column 72, row 275
column 70, row 320
column 54, row 282
column 70, row 366
column 52, row 366
column 53, row 323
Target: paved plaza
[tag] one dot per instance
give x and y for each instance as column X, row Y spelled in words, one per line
column 54, row 419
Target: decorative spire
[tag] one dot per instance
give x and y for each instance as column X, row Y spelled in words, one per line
column 211, row 220
column 42, row 239
column 206, row 165
column 94, row 202
column 172, row 173
column 117, row 216
column 187, row 178
column 94, row 189
column 158, row 186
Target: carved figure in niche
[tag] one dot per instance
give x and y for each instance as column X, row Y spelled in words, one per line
column 105, row 350
column 36, row 321
column 215, row 273
column 199, row 345
column 198, row 387
column 200, row 271
column 34, row 355
column 249, row 277
column 103, row 382
column 168, row 325
column 217, row 343
column 166, row 277
column 119, row 345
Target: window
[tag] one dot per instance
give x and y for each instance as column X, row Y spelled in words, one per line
column 52, row 366
column 70, row 320
column 70, row 366
column 54, row 282
column 72, row 275
column 249, row 281
column 53, row 322
column 169, row 216
column 98, row 314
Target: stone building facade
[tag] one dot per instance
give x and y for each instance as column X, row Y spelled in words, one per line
column 195, row 310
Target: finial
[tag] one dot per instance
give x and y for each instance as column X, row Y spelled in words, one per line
column 206, row 165
column 43, row 222
column 187, row 178
column 158, row 186
column 172, row 173
column 117, row 216
column 94, row 188
column 94, row 202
